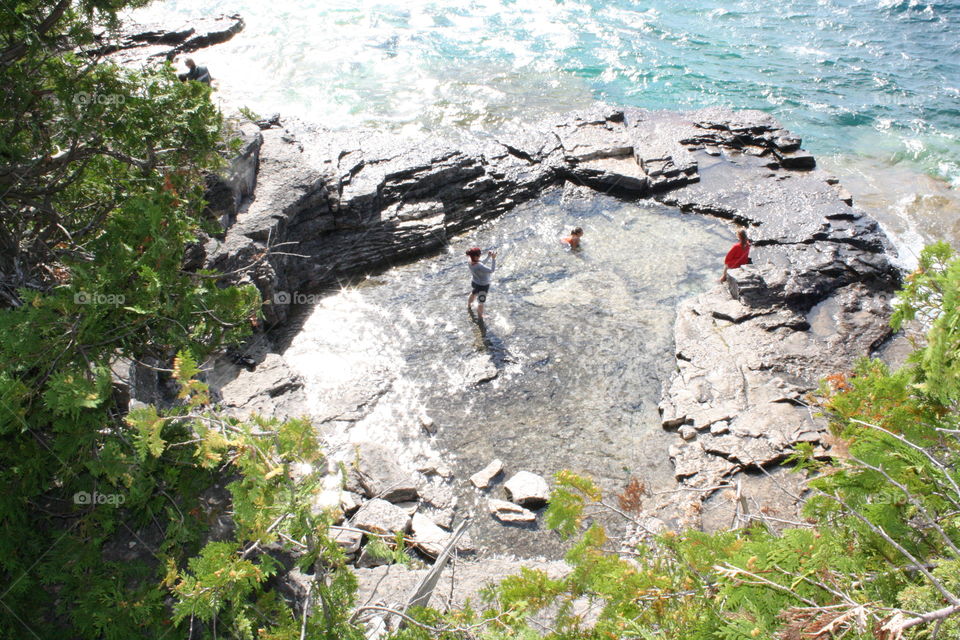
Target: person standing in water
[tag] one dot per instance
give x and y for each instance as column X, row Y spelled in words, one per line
column 574, row 238
column 738, row 255
column 482, row 275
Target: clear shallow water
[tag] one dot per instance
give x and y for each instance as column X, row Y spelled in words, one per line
column 580, row 343
column 877, row 78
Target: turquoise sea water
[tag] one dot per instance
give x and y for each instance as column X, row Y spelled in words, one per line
column 873, row 86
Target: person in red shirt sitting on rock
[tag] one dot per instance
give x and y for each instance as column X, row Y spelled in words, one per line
column 738, row 255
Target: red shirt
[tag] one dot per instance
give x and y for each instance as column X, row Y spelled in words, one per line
column 738, row 256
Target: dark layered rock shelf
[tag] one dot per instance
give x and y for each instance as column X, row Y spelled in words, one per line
column 138, row 43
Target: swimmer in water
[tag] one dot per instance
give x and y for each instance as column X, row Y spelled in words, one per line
column 574, row 238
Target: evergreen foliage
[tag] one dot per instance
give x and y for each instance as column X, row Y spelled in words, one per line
column 104, row 529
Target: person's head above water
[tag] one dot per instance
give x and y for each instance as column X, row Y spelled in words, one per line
column 742, row 236
column 474, row 253
column 577, row 232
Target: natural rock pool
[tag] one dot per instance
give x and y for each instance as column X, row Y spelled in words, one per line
column 565, row 374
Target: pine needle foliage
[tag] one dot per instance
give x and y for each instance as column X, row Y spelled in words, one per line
column 106, row 525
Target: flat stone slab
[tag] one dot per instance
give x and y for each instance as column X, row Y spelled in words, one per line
column 376, row 474
column 527, row 489
column 482, row 479
column 509, row 512
column 382, row 517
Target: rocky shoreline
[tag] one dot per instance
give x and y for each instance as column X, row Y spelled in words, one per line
column 816, row 298
column 303, row 209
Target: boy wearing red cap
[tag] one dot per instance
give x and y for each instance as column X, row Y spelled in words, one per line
column 574, row 238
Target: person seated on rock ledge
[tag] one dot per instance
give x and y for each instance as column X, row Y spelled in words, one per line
column 738, row 255
column 200, row 74
column 574, row 238
column 482, row 274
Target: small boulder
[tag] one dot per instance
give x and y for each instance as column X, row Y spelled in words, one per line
column 380, row 516
column 479, row 369
column 427, row 536
column 481, row 479
column 428, row 425
column 799, row 160
column 509, row 512
column 719, row 428
column 348, row 539
column 376, row 474
column 528, row 489
column 687, row 432
column 438, row 502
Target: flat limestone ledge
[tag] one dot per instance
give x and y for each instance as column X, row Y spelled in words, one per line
column 137, row 44
column 738, row 398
